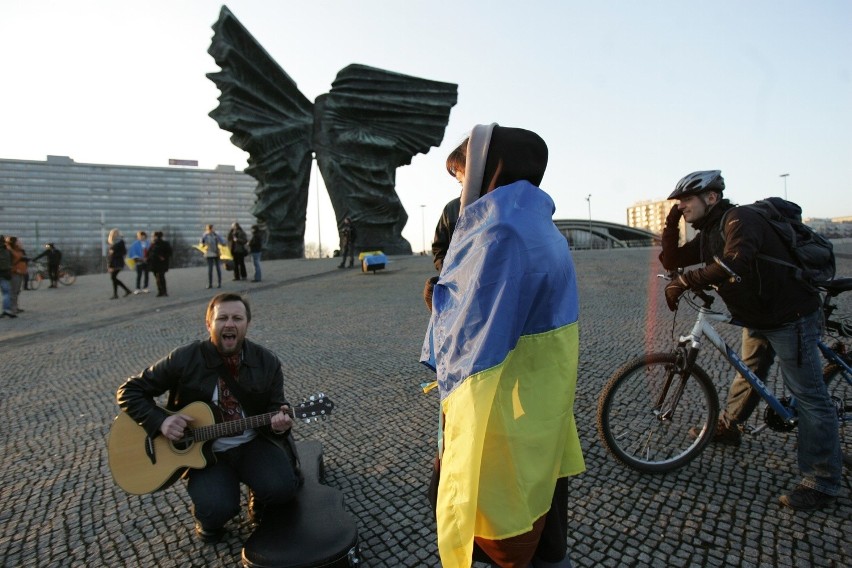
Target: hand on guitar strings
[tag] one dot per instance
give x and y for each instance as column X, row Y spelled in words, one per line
column 174, row 426
column 282, row 422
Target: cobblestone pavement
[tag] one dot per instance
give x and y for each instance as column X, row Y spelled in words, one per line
column 357, row 338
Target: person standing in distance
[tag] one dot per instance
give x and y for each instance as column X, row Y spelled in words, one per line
column 159, row 257
column 54, row 259
column 210, row 240
column 347, row 243
column 138, row 251
column 256, row 249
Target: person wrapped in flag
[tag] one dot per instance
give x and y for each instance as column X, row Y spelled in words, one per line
column 503, row 340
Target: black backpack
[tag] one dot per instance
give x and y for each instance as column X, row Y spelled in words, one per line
column 813, row 253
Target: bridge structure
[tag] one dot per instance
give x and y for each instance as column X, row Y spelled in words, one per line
column 591, row 234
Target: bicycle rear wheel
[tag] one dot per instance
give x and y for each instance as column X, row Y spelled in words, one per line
column 647, row 408
column 840, row 389
column 67, row 276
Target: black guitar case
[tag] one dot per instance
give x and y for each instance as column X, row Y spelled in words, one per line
column 314, row 531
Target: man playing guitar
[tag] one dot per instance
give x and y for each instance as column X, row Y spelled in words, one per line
column 239, row 380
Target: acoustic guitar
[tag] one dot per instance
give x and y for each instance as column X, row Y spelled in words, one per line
column 140, row 464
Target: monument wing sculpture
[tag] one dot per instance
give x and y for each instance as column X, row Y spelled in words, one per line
column 271, row 120
column 370, row 123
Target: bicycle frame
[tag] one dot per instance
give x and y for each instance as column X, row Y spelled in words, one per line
column 703, row 329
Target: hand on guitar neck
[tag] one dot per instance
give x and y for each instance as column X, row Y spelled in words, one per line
column 141, row 464
column 175, row 425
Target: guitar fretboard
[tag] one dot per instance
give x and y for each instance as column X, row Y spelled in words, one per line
column 232, row 427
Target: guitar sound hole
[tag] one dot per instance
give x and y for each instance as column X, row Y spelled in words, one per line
column 183, row 445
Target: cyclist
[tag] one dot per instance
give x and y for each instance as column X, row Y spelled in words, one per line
column 781, row 316
column 54, row 257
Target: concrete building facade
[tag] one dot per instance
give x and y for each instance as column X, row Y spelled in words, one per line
column 651, row 216
column 75, row 205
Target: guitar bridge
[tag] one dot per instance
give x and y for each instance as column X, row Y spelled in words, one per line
column 149, row 450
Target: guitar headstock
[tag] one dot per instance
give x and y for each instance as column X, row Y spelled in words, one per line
column 313, row 408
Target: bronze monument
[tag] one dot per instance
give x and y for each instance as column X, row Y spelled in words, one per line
column 370, row 123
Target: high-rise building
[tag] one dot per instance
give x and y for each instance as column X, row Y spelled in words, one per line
column 75, row 205
column 651, row 215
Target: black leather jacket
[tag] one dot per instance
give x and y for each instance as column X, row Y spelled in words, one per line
column 444, row 232
column 191, row 373
column 768, row 294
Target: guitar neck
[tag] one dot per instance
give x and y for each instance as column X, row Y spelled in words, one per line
column 232, row 427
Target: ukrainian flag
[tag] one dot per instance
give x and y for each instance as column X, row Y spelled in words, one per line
column 503, row 339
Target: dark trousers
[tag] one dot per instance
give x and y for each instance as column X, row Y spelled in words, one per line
column 239, row 266
column 53, row 274
column 141, row 274
column 160, row 279
column 116, row 283
column 211, row 262
column 260, row 464
column 347, row 250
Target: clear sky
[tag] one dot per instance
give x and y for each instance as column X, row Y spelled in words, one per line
column 630, row 96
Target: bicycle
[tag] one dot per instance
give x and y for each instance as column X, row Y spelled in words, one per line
column 648, row 406
column 38, row 273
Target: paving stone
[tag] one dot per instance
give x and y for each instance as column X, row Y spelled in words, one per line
column 357, row 338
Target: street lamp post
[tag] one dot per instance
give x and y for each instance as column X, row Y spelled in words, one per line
column 589, row 201
column 423, row 227
column 319, row 217
column 785, row 184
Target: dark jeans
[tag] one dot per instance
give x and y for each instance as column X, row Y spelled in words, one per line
column 141, row 270
column 239, row 266
column 260, row 464
column 255, row 257
column 211, row 262
column 795, row 346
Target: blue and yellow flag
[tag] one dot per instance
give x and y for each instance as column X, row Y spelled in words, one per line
column 503, row 340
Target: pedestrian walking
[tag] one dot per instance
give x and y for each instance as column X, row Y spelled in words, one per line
column 115, row 261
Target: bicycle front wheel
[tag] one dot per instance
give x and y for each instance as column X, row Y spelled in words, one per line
column 67, row 276
column 647, row 409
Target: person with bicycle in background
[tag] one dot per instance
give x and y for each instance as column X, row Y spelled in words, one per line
column 54, row 257
column 782, row 318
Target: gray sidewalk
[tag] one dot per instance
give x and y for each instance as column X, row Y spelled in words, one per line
column 357, row 338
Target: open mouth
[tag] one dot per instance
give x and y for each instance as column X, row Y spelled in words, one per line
column 229, row 336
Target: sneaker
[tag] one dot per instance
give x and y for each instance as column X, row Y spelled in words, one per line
column 806, row 499
column 144, row 290
column 208, row 536
column 10, row 315
column 137, row 291
column 725, row 435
